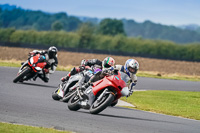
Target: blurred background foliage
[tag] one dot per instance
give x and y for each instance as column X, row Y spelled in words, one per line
column 85, row 38
column 36, row 27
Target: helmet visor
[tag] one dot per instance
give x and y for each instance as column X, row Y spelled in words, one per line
column 132, row 70
column 52, row 54
column 107, row 65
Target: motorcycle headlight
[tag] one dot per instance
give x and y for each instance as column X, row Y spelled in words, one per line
column 38, row 68
column 125, row 91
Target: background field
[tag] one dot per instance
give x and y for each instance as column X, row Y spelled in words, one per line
column 66, row 58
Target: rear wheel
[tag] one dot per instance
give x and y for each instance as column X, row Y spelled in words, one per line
column 100, row 105
column 73, row 103
column 23, row 73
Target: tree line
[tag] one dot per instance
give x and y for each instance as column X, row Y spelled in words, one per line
column 41, row 21
column 37, row 20
column 150, row 30
column 85, row 38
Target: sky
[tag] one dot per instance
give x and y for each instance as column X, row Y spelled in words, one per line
column 166, row 12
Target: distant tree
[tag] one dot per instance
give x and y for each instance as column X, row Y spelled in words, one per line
column 111, row 27
column 85, row 32
column 57, row 26
column 61, row 15
column 73, row 23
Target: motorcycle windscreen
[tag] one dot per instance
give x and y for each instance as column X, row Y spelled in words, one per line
column 124, row 77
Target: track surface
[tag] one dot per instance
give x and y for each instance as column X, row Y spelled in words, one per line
column 30, row 103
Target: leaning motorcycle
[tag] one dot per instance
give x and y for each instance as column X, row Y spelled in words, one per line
column 68, row 88
column 101, row 94
column 29, row 69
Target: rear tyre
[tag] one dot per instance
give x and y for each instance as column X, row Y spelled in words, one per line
column 99, row 106
column 23, row 73
column 73, row 103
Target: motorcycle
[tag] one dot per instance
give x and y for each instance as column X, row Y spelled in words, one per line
column 68, row 88
column 101, row 94
column 29, row 69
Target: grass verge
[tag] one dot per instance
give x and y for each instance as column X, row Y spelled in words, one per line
column 176, row 103
column 175, row 76
column 13, row 128
column 14, row 63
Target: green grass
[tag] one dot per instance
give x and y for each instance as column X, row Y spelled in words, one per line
column 169, row 76
column 14, row 63
column 9, row 64
column 13, row 128
column 177, row 103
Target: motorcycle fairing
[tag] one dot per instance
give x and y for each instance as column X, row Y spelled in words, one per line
column 106, row 82
column 34, row 60
column 60, row 92
column 74, row 78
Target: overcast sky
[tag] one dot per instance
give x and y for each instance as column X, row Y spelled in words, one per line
column 168, row 12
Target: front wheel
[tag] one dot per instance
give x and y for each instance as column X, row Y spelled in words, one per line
column 23, row 73
column 114, row 103
column 73, row 103
column 69, row 95
column 100, row 105
column 55, row 95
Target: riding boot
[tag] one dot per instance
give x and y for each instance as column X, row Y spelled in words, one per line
column 44, row 78
column 35, row 77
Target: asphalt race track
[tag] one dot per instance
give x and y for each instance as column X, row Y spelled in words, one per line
column 30, row 103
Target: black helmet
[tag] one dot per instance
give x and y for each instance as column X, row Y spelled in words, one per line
column 52, row 51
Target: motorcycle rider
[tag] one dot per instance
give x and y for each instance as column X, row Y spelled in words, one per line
column 130, row 68
column 86, row 64
column 50, row 57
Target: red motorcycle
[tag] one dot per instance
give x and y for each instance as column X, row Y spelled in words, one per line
column 29, row 69
column 101, row 94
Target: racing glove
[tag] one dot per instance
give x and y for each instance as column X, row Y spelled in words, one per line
column 63, row 79
column 130, row 93
column 131, row 88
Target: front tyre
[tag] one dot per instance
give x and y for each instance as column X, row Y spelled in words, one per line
column 69, row 95
column 55, row 96
column 102, row 104
column 114, row 103
column 73, row 103
column 23, row 73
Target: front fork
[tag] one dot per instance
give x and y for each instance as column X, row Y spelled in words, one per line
column 23, row 65
column 103, row 94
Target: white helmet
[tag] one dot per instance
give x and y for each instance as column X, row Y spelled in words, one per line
column 131, row 66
